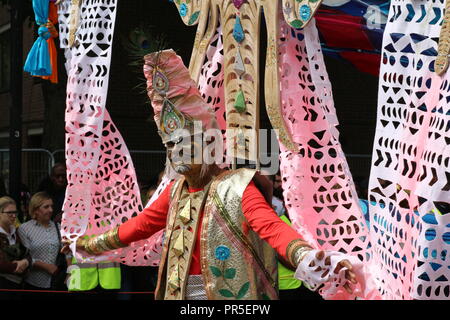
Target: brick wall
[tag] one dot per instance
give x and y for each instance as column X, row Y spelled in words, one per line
column 33, row 103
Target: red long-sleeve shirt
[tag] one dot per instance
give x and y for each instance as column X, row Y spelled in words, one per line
column 260, row 216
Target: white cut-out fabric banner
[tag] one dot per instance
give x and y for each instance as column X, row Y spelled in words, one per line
column 409, row 189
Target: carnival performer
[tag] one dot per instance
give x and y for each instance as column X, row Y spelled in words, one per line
column 221, row 235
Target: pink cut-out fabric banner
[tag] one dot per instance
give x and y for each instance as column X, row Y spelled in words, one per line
column 318, row 189
column 102, row 187
column 210, row 82
column 211, row 86
column 409, row 188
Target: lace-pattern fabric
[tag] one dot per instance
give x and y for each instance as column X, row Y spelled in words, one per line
column 410, row 178
column 319, row 193
column 102, row 189
column 211, row 81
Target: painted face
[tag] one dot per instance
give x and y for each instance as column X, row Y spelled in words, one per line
column 45, row 211
column 185, row 155
column 8, row 214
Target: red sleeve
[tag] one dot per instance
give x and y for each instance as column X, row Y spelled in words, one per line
column 265, row 222
column 149, row 221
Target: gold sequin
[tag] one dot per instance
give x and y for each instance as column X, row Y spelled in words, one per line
column 182, row 239
column 178, row 247
column 185, row 214
column 174, row 279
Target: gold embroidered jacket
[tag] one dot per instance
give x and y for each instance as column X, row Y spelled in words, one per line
column 235, row 264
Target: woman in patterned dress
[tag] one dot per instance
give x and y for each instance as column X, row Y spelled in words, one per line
column 40, row 236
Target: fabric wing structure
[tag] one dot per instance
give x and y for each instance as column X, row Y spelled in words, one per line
column 102, row 187
column 352, row 30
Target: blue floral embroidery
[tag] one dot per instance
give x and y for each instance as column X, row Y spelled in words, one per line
column 222, row 253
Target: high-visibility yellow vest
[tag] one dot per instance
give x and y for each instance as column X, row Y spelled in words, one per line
column 286, row 280
column 87, row 276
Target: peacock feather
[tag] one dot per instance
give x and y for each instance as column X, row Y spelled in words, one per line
column 141, row 41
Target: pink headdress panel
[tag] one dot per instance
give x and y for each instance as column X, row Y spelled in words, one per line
column 174, row 95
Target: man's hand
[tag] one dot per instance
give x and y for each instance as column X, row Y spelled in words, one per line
column 349, row 273
column 65, row 246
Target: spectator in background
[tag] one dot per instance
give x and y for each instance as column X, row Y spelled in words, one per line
column 55, row 186
column 277, row 198
column 2, row 187
column 289, row 287
column 25, row 196
column 144, row 278
column 150, row 188
column 41, row 236
column 139, row 278
column 14, row 260
column 160, row 177
column 24, row 199
column 147, row 193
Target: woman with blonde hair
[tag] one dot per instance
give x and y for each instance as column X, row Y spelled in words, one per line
column 41, row 236
column 14, row 260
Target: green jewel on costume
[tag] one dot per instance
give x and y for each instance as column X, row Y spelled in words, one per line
column 239, row 105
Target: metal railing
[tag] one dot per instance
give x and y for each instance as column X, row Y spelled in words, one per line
column 36, row 165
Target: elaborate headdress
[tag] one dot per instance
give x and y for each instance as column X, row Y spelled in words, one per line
column 176, row 101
